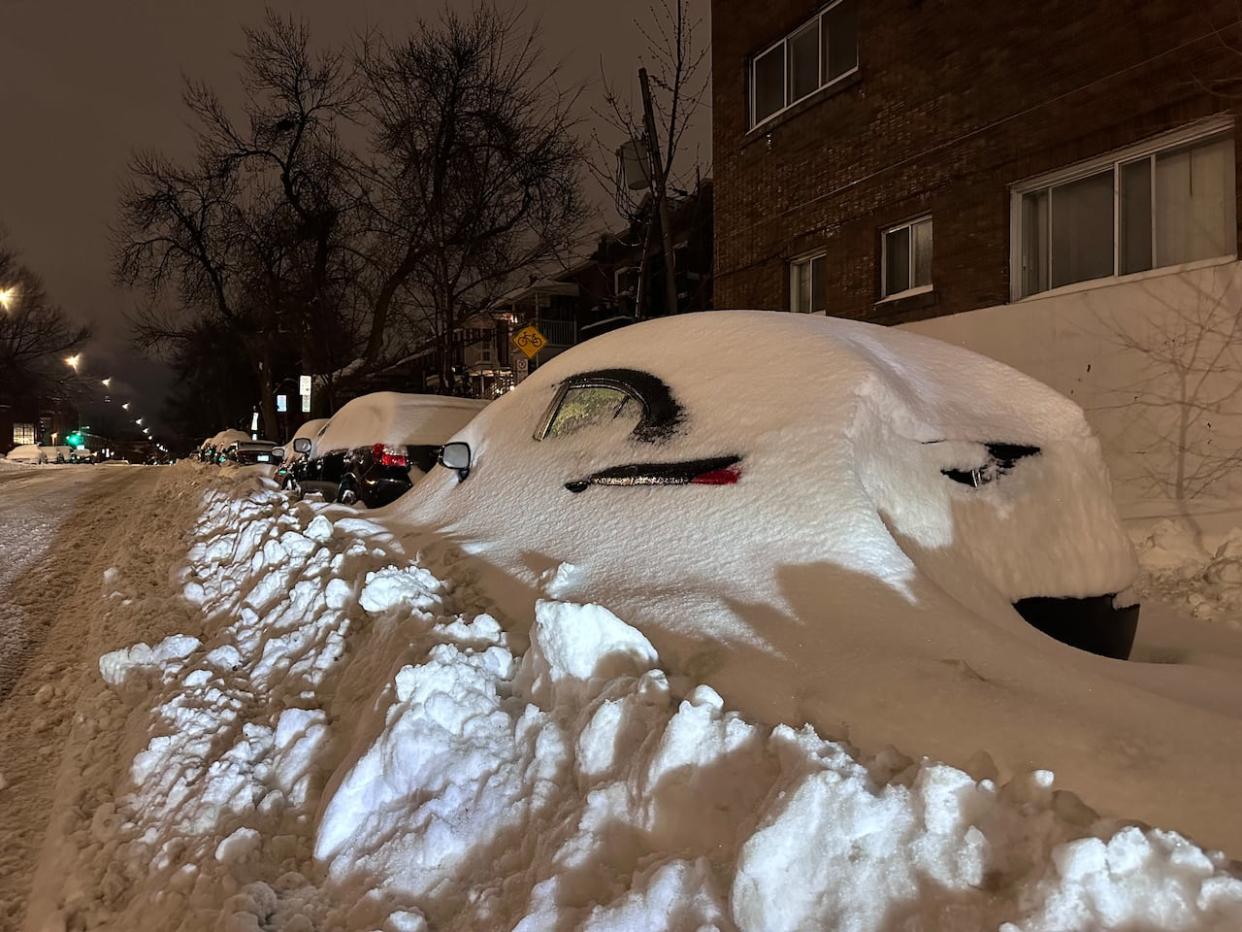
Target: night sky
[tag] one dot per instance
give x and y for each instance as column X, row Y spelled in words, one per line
column 84, row 83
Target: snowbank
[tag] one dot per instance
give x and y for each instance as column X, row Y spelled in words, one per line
column 345, row 739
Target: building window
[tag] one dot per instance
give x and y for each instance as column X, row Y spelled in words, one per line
column 23, row 433
column 806, row 284
column 907, row 258
column 1167, row 203
column 813, row 56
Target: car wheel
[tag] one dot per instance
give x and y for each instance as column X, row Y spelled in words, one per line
column 347, row 494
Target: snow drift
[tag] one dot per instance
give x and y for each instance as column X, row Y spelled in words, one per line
column 345, row 739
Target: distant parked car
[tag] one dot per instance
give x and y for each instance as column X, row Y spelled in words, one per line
column 212, row 449
column 288, row 457
column 250, row 452
column 27, row 453
column 375, row 448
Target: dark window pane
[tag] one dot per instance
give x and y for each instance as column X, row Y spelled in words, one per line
column 804, row 62
column 922, row 232
column 1195, row 203
column 1082, row 229
column 841, row 39
column 1034, row 242
column 769, row 89
column 896, row 261
column 1136, row 216
column 818, row 300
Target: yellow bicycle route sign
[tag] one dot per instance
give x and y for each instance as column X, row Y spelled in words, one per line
column 529, row 340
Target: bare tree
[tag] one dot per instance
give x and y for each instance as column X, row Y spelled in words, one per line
column 1180, row 417
column 474, row 177
column 679, row 80
column 249, row 234
column 34, row 333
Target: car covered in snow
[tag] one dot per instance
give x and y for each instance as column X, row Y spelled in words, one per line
column 29, row 453
column 288, row 456
column 250, row 452
column 861, row 513
column 212, row 449
column 374, row 449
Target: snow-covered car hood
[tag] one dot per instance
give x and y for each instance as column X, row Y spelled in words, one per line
column 844, row 565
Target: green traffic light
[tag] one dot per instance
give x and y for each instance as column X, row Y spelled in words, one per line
column 75, row 440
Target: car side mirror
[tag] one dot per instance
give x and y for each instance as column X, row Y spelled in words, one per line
column 302, row 445
column 278, row 453
column 456, row 456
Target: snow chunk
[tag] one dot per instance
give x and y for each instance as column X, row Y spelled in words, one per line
column 116, row 666
column 576, row 648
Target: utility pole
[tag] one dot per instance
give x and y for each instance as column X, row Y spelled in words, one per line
column 657, row 189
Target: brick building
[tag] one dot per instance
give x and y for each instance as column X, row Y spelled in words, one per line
column 898, row 160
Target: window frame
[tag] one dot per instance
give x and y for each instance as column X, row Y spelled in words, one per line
column 912, row 289
column 792, row 264
column 661, row 414
column 824, row 83
column 1202, row 131
column 32, row 432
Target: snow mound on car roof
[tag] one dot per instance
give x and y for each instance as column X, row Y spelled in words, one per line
column 395, row 418
column 845, row 580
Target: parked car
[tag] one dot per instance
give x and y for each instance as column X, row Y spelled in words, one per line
column 29, row 453
column 289, row 457
column 250, row 452
column 374, row 449
column 212, row 449
column 788, row 434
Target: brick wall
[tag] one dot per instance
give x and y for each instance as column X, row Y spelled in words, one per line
column 953, row 102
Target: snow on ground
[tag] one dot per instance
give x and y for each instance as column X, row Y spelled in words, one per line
column 1202, row 574
column 314, row 730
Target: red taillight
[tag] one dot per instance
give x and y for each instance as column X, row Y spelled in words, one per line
column 389, row 456
column 726, row 476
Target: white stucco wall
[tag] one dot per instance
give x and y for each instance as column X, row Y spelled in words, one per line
column 1155, row 361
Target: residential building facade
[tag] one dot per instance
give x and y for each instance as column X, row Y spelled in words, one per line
column 898, row 160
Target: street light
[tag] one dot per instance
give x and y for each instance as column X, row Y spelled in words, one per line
column 73, row 361
column 125, row 407
column 138, row 422
column 8, row 296
column 107, row 383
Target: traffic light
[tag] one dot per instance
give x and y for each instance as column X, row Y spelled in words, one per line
column 75, row 439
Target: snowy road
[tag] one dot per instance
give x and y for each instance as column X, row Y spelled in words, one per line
column 56, row 525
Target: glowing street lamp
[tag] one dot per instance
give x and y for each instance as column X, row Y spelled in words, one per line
column 125, row 406
column 138, row 422
column 74, row 361
column 107, row 383
column 8, row 296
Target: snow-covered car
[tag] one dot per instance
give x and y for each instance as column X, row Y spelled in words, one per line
column 27, row 453
column 375, row 448
column 290, row 457
column 250, row 452
column 861, row 513
column 213, row 448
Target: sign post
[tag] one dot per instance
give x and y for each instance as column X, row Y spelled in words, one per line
column 304, row 389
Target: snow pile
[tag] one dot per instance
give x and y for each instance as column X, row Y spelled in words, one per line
column 1180, row 568
column 349, row 740
column 397, row 419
